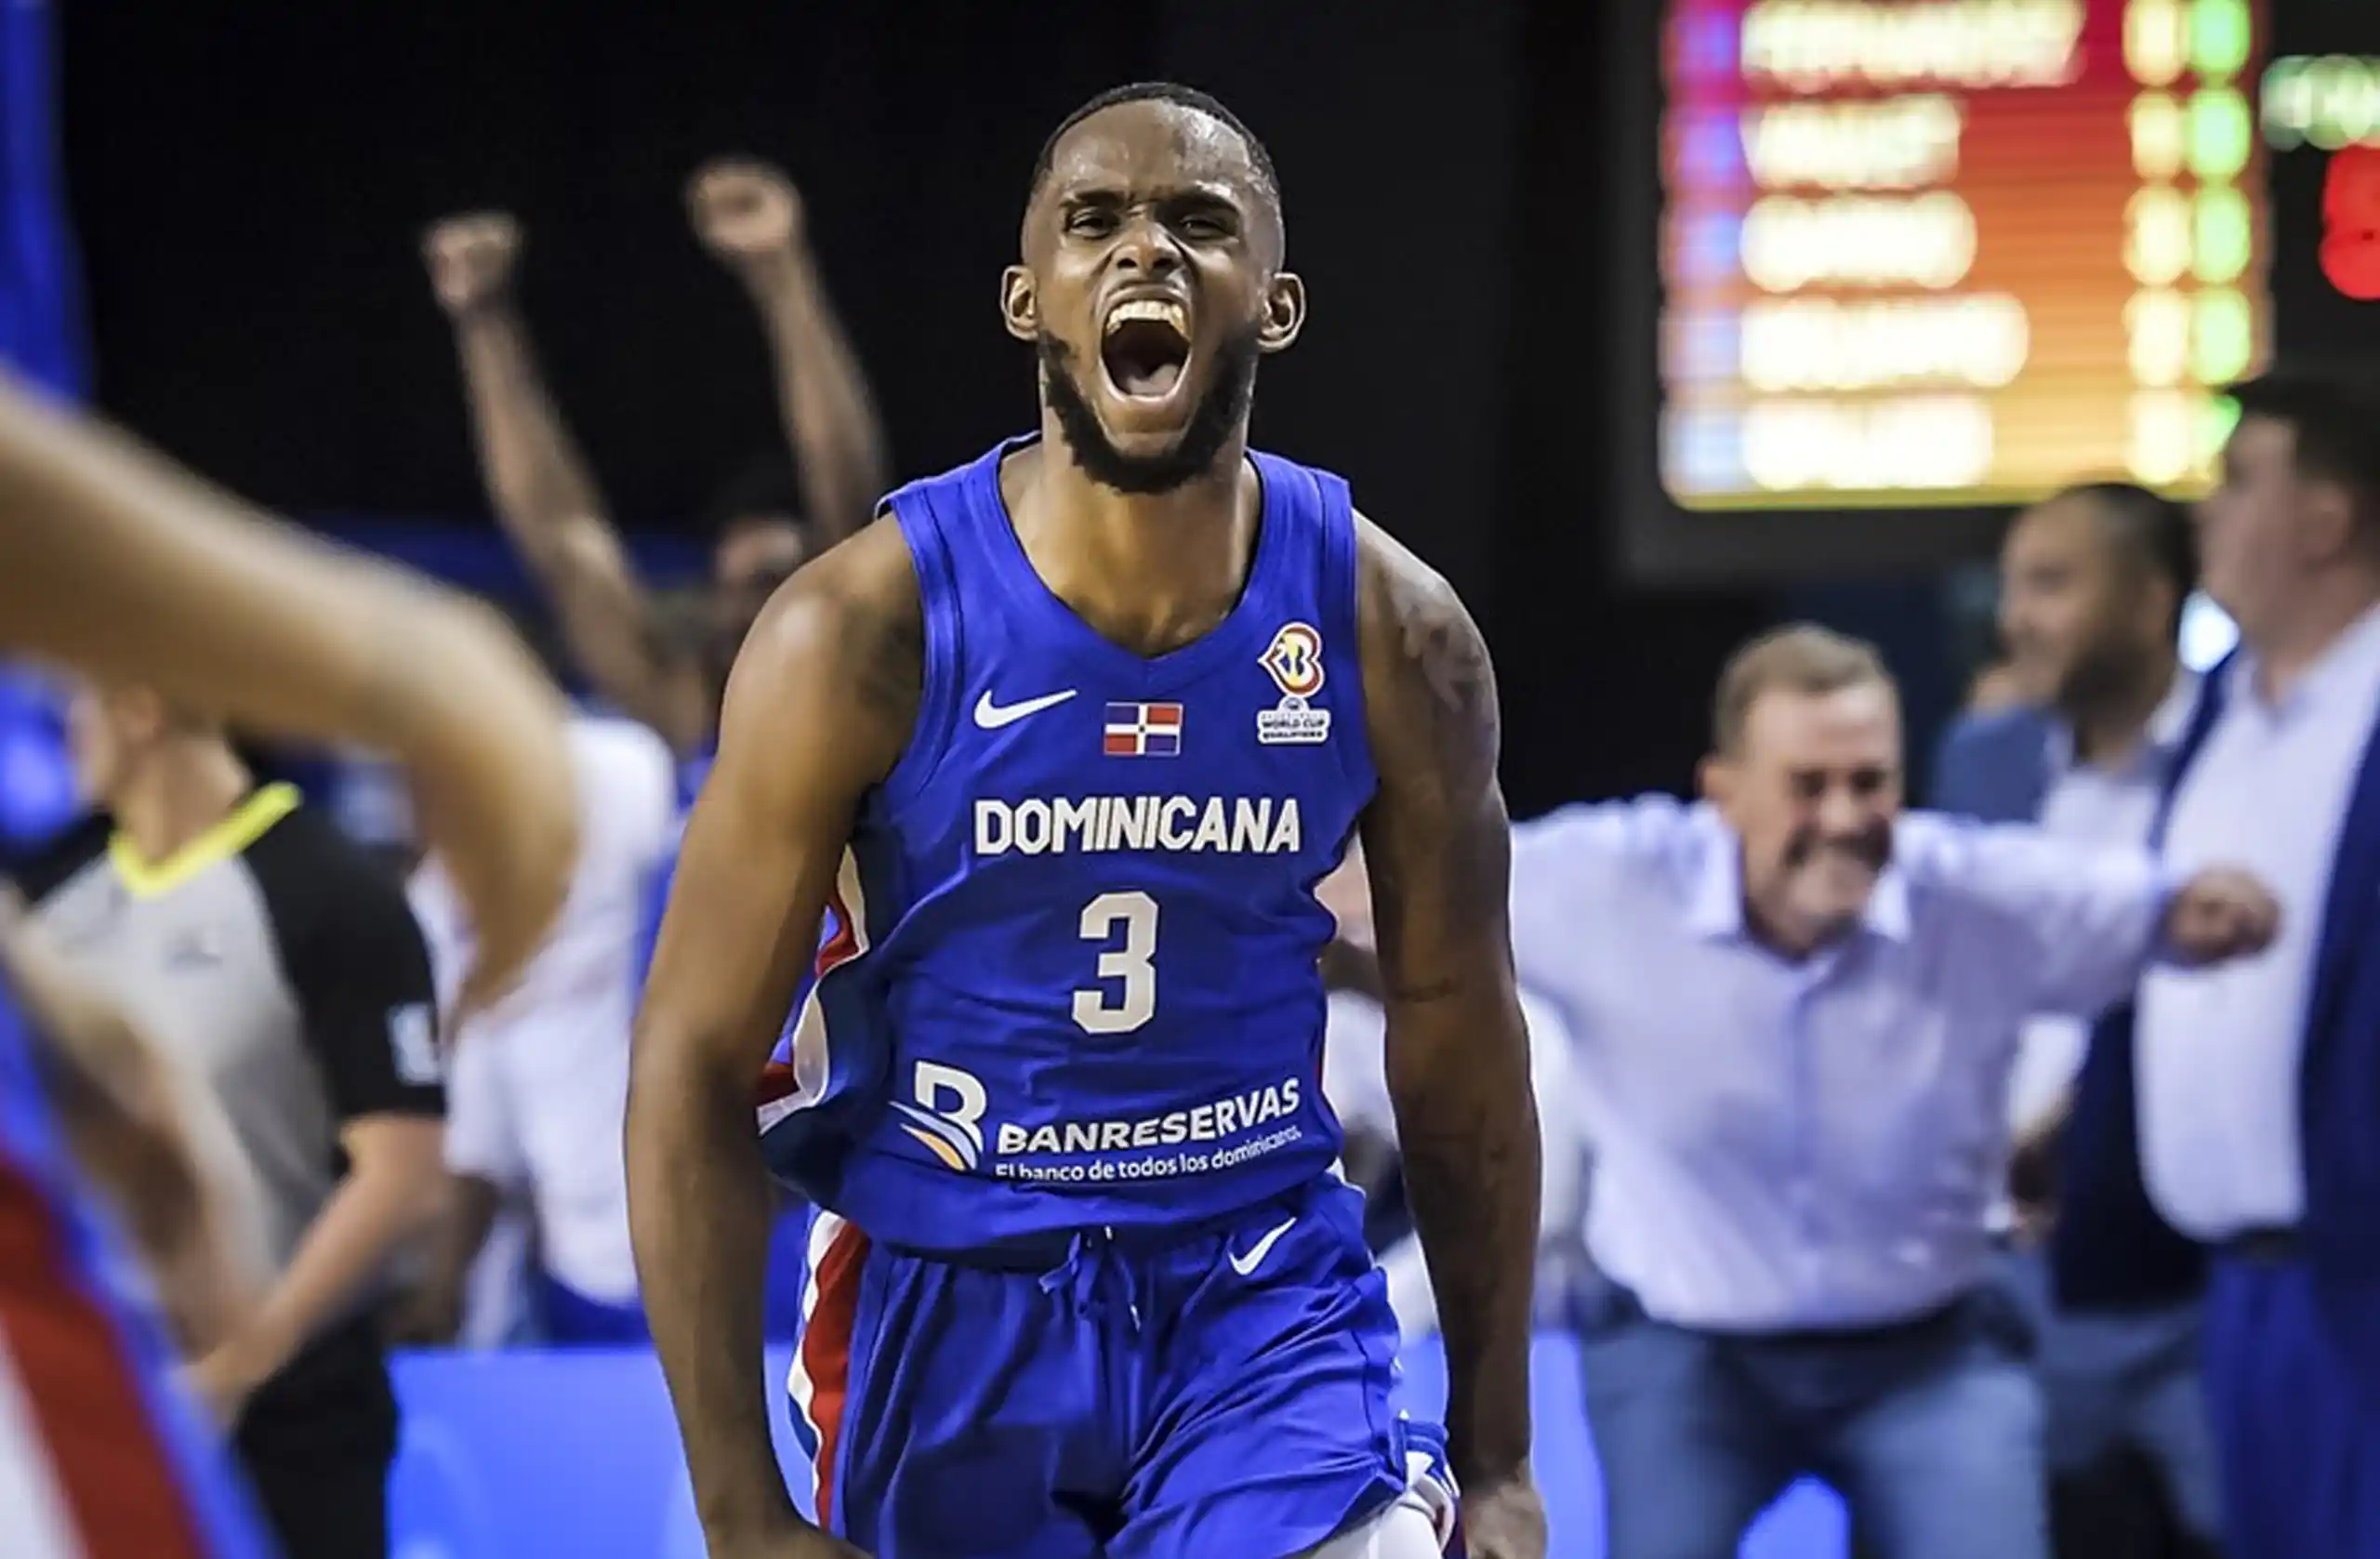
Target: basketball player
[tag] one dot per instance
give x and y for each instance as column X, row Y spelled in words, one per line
column 1065, row 746
column 112, row 560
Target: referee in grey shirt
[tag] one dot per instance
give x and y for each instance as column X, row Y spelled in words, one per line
column 284, row 970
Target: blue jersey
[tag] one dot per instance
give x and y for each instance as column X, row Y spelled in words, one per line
column 135, row 1471
column 1072, row 976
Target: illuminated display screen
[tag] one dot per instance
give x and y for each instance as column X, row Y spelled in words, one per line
column 2318, row 109
column 1921, row 253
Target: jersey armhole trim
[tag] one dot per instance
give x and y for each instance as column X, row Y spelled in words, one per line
column 1342, row 604
column 928, row 740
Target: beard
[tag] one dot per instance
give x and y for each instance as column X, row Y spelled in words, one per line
column 1212, row 421
column 2106, row 671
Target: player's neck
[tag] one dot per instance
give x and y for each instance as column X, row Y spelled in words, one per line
column 177, row 794
column 1149, row 570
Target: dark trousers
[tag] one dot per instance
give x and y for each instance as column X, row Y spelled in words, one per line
column 2298, row 1433
column 2132, row 1462
column 1931, row 1431
column 317, row 1443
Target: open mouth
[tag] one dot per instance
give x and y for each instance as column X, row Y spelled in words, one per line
column 1145, row 347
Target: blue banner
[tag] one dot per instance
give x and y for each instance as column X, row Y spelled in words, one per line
column 40, row 303
column 525, row 1455
column 40, row 340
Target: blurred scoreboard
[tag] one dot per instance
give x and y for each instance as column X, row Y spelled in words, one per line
column 2318, row 112
column 1956, row 253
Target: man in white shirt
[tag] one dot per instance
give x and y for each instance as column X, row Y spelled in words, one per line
column 1796, row 1010
column 538, row 1089
column 2258, row 1084
column 2092, row 587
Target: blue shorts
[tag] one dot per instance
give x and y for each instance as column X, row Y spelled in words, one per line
column 1145, row 1396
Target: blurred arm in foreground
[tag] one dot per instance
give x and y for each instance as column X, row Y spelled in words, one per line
column 116, row 561
column 155, row 1149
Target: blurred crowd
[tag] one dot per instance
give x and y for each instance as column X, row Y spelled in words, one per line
column 1990, row 1162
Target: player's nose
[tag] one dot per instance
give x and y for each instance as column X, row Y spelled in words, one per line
column 1144, row 246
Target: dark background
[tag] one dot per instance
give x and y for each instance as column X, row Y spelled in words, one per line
column 248, row 197
column 1471, row 198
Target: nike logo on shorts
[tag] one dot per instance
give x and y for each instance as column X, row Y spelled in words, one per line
column 991, row 716
column 1245, row 1265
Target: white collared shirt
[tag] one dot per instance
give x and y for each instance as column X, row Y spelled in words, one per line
column 2093, row 804
column 1354, row 1079
column 1784, row 1145
column 2217, row 1050
column 537, row 1094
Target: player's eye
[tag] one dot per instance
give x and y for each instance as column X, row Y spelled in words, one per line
column 1205, row 229
column 1091, row 222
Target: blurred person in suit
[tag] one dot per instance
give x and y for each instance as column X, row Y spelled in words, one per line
column 2229, row 1121
column 1796, row 1009
column 1996, row 685
column 2092, row 581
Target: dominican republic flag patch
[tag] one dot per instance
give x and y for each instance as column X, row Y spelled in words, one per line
column 1142, row 730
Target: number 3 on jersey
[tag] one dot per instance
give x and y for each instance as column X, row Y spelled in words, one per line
column 1130, row 964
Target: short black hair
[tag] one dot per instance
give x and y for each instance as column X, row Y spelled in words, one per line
column 2335, row 417
column 2148, row 531
column 765, row 487
column 1180, row 96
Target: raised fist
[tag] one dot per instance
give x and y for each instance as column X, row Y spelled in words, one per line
column 2221, row 914
column 471, row 258
column 743, row 210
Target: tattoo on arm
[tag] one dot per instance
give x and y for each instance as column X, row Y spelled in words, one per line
column 1438, row 847
column 892, row 677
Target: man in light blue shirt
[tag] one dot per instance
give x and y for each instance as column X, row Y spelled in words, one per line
column 1795, row 1013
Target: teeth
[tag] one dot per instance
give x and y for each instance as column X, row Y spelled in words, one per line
column 1155, row 309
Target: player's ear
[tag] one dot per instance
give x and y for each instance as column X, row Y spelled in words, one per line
column 2332, row 508
column 1019, row 309
column 1284, row 312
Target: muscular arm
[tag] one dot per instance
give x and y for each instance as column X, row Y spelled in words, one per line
column 820, row 704
column 545, row 496
column 1438, row 847
column 751, row 218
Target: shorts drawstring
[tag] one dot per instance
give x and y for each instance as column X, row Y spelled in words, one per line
column 1091, row 1255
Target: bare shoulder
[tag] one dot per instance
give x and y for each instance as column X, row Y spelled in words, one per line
column 839, row 652
column 1429, row 687
column 1392, row 579
column 1435, row 839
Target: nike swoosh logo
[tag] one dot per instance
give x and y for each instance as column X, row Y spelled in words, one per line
column 1245, row 1265
column 991, row 716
